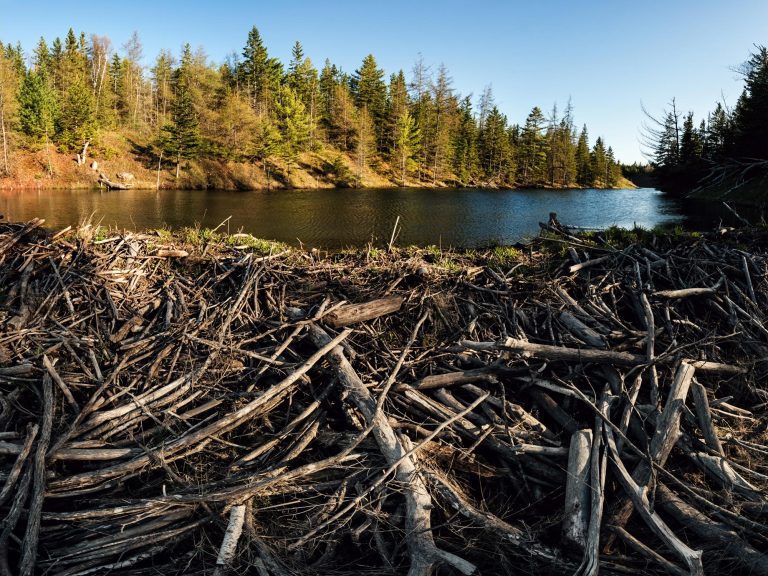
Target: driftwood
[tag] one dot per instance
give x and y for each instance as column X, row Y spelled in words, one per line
column 214, row 409
column 111, row 184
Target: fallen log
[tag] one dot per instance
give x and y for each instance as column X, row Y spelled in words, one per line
column 584, row 355
column 354, row 313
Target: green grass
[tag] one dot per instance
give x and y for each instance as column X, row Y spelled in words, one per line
column 257, row 245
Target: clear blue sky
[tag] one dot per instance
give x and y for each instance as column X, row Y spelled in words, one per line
column 608, row 56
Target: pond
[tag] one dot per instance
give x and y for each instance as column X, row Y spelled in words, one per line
column 343, row 217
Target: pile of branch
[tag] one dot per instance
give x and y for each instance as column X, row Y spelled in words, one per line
column 167, row 408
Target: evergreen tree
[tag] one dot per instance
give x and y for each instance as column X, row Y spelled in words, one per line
column 444, row 118
column 343, row 121
column 718, row 133
column 293, row 123
column 303, row 80
column 465, row 154
column 599, row 160
column 77, row 123
column 397, row 106
column 38, row 110
column 329, row 80
column 259, row 74
column 181, row 138
column 406, row 143
column 495, row 150
column 162, row 77
column 584, row 176
column 750, row 118
column 532, row 154
column 691, row 145
column 370, row 93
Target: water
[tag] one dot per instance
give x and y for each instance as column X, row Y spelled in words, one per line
column 342, row 217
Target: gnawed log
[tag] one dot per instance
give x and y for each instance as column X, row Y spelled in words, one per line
column 561, row 353
column 716, row 534
column 577, row 491
column 354, row 313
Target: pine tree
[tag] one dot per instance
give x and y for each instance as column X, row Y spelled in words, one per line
column 181, row 138
column 293, row 123
column 444, row 120
column 370, row 93
column 397, row 106
column 77, row 123
column 38, row 110
column 162, row 73
column 691, row 145
column 750, row 118
column 343, row 118
column 495, row 149
column 406, row 144
column 303, row 80
column 584, row 176
column 465, row 159
column 259, row 74
column 533, row 150
column 599, row 163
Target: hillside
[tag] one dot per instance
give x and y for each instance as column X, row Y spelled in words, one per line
column 118, row 152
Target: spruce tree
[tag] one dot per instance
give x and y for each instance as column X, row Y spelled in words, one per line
column 293, row 123
column 181, row 138
column 532, row 154
column 750, row 118
column 465, row 160
column 407, row 139
column 370, row 93
column 583, row 163
column 38, row 111
column 259, row 74
column 599, row 163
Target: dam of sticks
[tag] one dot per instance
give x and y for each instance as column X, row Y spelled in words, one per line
column 202, row 403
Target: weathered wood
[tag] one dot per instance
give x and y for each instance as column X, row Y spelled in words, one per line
column 354, row 313
column 231, row 538
column 663, row 440
column 721, row 537
column 561, row 353
column 684, row 293
column 423, row 551
column 639, row 498
column 170, row 253
column 582, row 331
column 704, row 417
column 577, row 490
column 31, row 534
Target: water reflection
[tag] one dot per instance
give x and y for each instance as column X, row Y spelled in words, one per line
column 336, row 218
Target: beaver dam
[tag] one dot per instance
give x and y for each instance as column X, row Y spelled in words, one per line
column 195, row 403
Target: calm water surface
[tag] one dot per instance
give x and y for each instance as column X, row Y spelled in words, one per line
column 343, row 217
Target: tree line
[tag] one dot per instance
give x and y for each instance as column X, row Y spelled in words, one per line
column 729, row 145
column 253, row 108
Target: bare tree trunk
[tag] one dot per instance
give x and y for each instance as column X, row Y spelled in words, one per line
column 178, row 162
column 5, row 141
column 81, row 158
column 159, row 164
column 48, row 154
